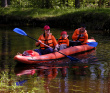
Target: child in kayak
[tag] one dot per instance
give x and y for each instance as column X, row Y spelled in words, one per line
column 48, row 39
column 63, row 41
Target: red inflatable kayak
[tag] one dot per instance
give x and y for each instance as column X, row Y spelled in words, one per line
column 33, row 57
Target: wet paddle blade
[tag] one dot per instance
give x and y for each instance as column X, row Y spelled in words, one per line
column 73, row 59
column 20, row 31
column 20, row 83
column 93, row 44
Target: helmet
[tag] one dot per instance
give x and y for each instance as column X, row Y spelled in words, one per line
column 63, row 32
column 46, row 27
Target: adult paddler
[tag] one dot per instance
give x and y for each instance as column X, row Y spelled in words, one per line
column 80, row 35
column 48, row 39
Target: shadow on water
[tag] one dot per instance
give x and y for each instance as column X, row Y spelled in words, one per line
column 6, row 53
column 6, row 48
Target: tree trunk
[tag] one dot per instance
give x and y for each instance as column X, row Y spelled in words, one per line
column 8, row 2
column 109, row 3
column 42, row 4
column 67, row 3
column 60, row 2
column 77, row 4
column 4, row 3
column 63, row 1
column 101, row 3
column 47, row 4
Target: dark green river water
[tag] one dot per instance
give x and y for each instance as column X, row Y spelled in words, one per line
column 90, row 75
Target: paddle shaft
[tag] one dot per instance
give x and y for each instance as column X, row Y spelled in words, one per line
column 45, row 44
column 39, row 41
column 32, row 38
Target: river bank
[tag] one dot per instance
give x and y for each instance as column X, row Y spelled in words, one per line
column 95, row 19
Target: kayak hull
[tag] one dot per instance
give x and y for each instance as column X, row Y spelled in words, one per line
column 34, row 59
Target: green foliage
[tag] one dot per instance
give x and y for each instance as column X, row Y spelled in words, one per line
column 94, row 18
column 55, row 3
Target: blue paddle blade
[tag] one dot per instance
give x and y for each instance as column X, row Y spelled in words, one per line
column 20, row 31
column 93, row 44
column 20, row 83
column 73, row 59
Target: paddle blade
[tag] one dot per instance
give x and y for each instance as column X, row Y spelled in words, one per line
column 20, row 83
column 19, row 31
column 93, row 44
column 73, row 59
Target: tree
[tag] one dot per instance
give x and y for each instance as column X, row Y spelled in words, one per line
column 4, row 3
column 101, row 3
column 67, row 3
column 109, row 3
column 77, row 4
column 8, row 2
column 42, row 5
column 48, row 4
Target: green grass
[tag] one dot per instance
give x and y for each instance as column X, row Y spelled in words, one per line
column 70, row 18
column 41, row 13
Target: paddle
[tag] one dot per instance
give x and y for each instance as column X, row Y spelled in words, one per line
column 20, row 83
column 21, row 32
column 92, row 44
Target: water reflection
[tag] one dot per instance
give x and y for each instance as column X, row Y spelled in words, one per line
column 3, row 55
column 65, row 76
column 45, row 72
column 6, row 49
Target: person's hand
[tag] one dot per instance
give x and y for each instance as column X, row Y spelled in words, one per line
column 40, row 41
column 81, row 35
column 56, row 49
column 78, row 41
column 37, row 44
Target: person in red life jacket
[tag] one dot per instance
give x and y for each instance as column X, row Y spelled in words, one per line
column 80, row 35
column 48, row 39
column 63, row 41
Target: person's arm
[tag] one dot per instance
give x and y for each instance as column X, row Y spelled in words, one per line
column 54, row 40
column 75, row 35
column 55, row 43
column 67, row 42
column 85, row 38
column 58, row 42
column 37, row 43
